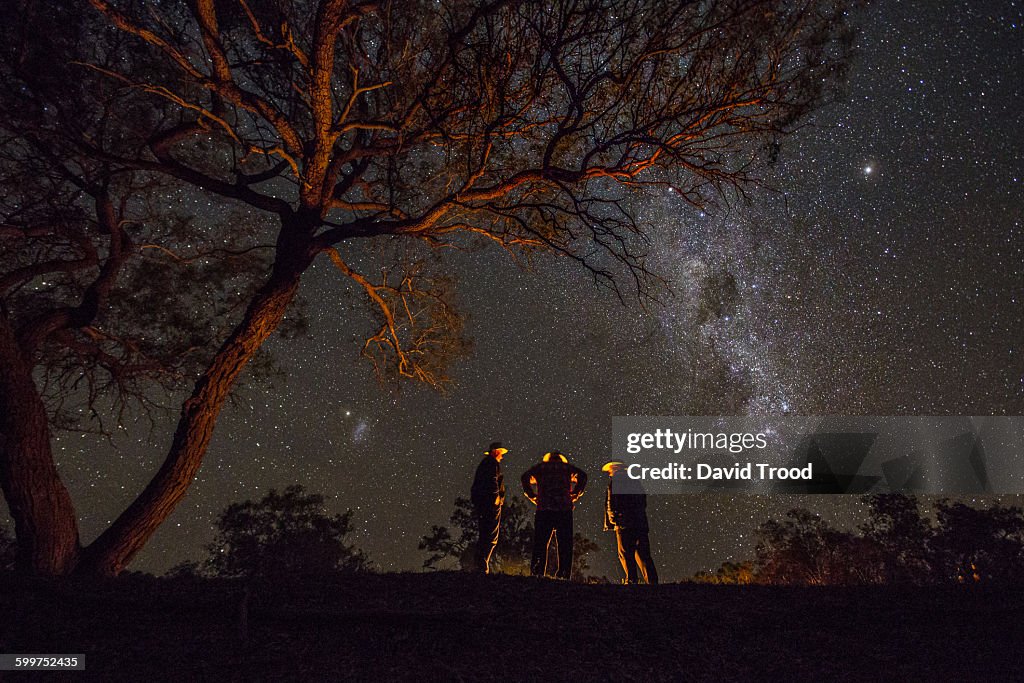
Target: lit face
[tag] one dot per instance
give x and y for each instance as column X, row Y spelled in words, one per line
column 615, row 469
column 499, row 453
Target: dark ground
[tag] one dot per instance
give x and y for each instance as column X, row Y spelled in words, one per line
column 448, row 626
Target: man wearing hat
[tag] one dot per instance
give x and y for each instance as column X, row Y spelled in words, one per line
column 553, row 485
column 625, row 512
column 488, row 495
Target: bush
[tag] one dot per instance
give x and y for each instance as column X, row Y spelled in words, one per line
column 282, row 536
column 897, row 545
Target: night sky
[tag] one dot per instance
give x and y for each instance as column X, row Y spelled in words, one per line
column 881, row 273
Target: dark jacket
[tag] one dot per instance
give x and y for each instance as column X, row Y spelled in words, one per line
column 625, row 504
column 559, row 484
column 488, row 485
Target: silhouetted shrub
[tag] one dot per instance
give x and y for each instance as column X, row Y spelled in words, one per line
column 897, row 545
column 730, row 574
column 978, row 544
column 283, row 535
column 806, row 550
column 901, row 536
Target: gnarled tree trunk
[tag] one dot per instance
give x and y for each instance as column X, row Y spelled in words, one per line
column 43, row 513
column 115, row 547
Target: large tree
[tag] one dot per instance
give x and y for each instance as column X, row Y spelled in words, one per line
column 416, row 125
column 96, row 313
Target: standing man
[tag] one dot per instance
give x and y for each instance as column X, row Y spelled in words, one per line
column 488, row 495
column 625, row 512
column 558, row 486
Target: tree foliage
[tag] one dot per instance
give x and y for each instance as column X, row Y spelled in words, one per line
column 971, row 544
column 111, row 288
column 898, row 545
column 804, row 549
column 282, row 536
column 728, row 574
column 902, row 535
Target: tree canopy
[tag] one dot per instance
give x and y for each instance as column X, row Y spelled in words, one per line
column 898, row 544
column 282, row 536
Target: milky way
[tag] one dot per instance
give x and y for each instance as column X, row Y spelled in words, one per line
column 878, row 271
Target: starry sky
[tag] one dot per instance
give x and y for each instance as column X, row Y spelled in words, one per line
column 879, row 272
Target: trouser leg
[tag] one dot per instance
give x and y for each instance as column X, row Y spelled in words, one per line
column 644, row 559
column 542, row 527
column 489, row 526
column 626, row 541
column 563, row 531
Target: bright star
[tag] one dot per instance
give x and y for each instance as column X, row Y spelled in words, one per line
column 868, row 170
